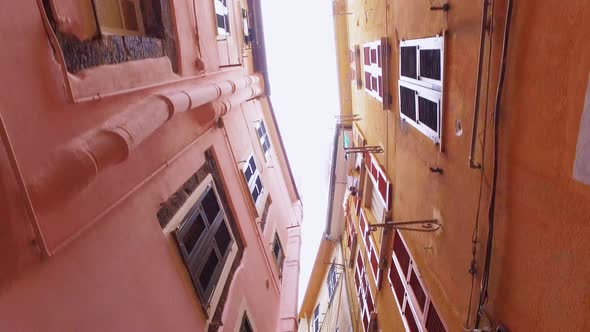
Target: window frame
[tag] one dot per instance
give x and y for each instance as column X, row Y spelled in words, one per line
column 255, row 180
column 222, row 9
column 106, row 30
column 428, row 43
column 258, row 126
column 331, row 280
column 315, row 322
column 428, row 94
column 280, row 260
column 423, row 87
column 195, row 259
column 246, row 320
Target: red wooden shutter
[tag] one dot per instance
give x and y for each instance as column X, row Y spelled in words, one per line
column 401, row 253
column 397, row 284
column 410, row 319
column 433, row 322
column 417, row 289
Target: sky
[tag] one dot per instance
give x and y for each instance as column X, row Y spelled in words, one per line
column 301, row 61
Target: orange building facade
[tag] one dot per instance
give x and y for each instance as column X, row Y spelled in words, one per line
column 145, row 183
column 483, row 151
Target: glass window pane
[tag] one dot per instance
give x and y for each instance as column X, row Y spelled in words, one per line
column 220, row 21
column 252, row 164
column 222, row 238
column 210, row 206
column 196, row 227
column 248, row 174
column 206, row 274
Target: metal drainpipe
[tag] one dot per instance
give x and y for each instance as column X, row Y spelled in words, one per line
column 484, row 17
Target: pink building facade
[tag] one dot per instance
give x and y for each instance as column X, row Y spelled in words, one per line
column 145, row 183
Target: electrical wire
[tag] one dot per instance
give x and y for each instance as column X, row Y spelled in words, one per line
column 475, row 235
column 491, row 209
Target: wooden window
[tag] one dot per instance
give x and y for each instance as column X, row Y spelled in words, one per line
column 380, row 182
column 246, row 27
column 331, row 280
column 373, row 69
column 364, row 295
column 278, row 252
column 246, row 326
column 414, row 303
column 119, row 17
column 352, row 241
column 264, row 217
column 421, row 62
column 421, row 83
column 205, row 240
column 315, row 323
column 222, row 18
column 263, row 137
column 253, row 179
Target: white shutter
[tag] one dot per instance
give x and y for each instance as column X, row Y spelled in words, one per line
column 421, row 62
column 423, row 111
column 372, row 65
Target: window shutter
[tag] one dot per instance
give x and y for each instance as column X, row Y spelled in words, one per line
column 421, row 62
column 380, row 181
column 401, row 254
column 420, row 107
column 397, row 285
column 433, row 322
column 409, row 316
column 417, row 290
column 373, row 68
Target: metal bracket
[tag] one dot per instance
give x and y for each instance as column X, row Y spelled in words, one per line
column 431, row 225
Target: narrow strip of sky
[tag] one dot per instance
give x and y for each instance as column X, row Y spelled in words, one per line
column 299, row 38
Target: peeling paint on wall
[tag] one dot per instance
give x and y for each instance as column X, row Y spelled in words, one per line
column 582, row 162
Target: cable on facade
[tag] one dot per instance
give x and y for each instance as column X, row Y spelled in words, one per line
column 475, row 235
column 491, row 210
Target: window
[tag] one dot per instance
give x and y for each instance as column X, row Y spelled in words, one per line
column 263, row 218
column 421, row 83
column 332, row 280
column 222, row 18
column 253, row 179
column 246, row 326
column 365, row 297
column 417, row 310
column 315, row 323
column 119, row 17
column 246, row 24
column 277, row 251
column 351, row 242
column 373, row 67
column 354, row 57
column 381, row 187
column 205, row 240
column 263, row 137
